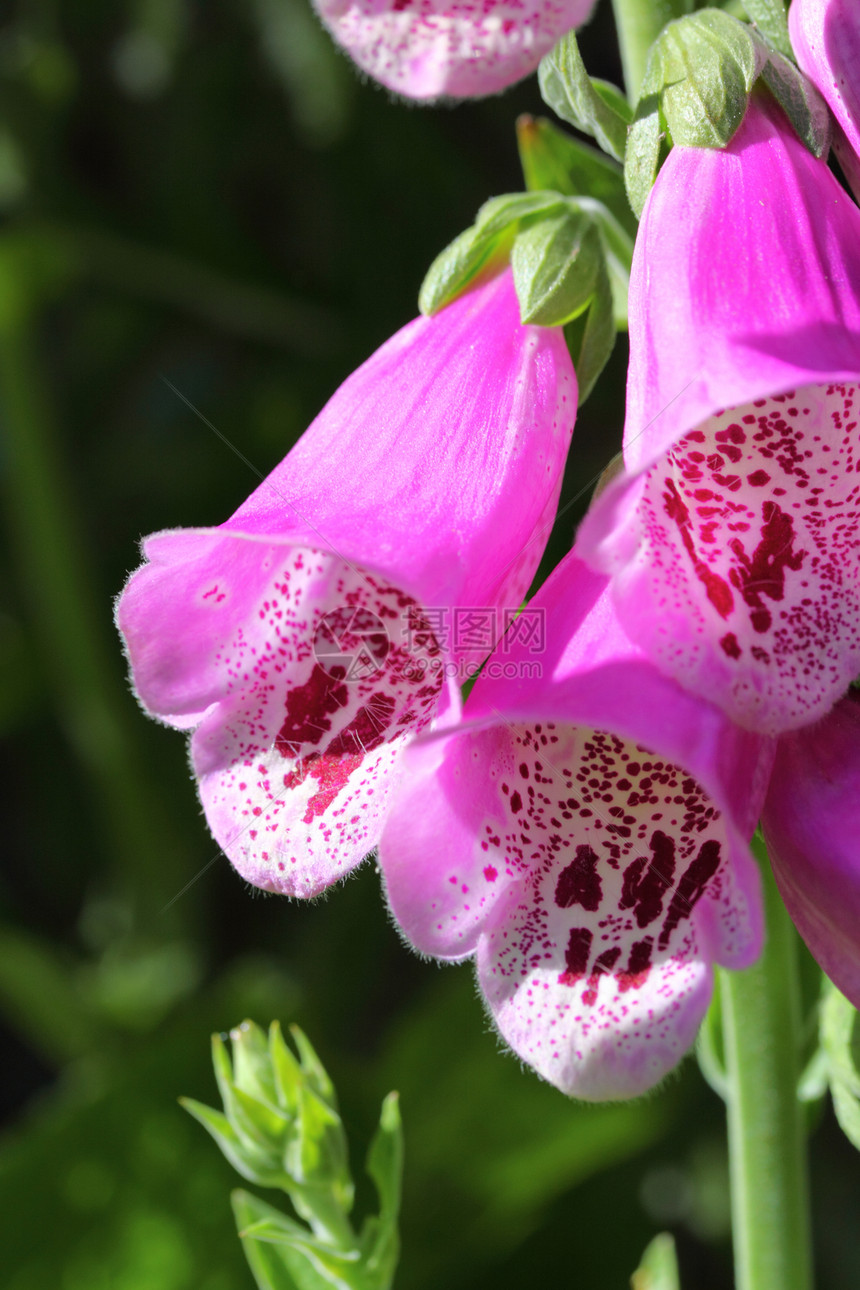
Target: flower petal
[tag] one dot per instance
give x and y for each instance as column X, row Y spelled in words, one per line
column 740, row 524
column 811, row 824
column 595, row 822
column 429, row 48
column 825, row 35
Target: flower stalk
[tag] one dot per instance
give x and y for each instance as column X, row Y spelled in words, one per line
column 767, row 1150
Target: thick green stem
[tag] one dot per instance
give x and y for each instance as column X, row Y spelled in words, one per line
column 639, row 23
column 761, row 1029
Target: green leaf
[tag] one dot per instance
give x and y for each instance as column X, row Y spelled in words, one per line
column 258, row 1167
column 645, row 143
column 840, row 1038
column 710, row 1050
column 380, row 1240
column 659, row 1267
column 315, row 1073
column 618, row 255
column 481, row 248
column 286, row 1070
column 799, row 100
column 555, row 268
column 591, row 337
column 312, row 1263
column 771, row 19
column 252, row 1063
column 553, row 159
column 706, row 65
column 592, row 106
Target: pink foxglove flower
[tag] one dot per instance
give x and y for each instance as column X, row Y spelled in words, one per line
column 825, row 35
column 582, row 831
column 308, row 637
column 427, row 49
column 811, row 823
column 734, row 536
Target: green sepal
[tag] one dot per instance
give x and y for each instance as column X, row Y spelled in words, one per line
column 591, row 337
column 704, row 67
column 481, row 248
column 555, row 268
column 710, row 1050
column 314, row 1071
column 316, row 1156
column 260, row 1167
column 772, row 21
column 798, row 98
column 252, row 1063
column 840, row 1039
column 552, row 159
column 594, row 107
column 286, row 1071
column 659, row 1267
column 647, row 147
column 380, row 1240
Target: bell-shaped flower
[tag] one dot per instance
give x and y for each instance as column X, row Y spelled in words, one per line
column 429, row 49
column 825, row 35
column 310, row 635
column 582, row 830
column 811, row 823
column 733, row 537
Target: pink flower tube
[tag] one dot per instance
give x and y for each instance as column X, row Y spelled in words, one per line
column 429, row 49
column 595, row 819
column 825, row 35
column 308, row 637
column 733, row 538
column 811, row 823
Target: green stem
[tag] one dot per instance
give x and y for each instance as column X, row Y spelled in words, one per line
column 639, row 23
column 761, row 1029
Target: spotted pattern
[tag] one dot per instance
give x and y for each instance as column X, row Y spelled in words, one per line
column 297, row 760
column 746, row 584
column 428, row 48
column 592, row 958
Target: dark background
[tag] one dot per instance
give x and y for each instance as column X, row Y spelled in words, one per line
column 206, row 194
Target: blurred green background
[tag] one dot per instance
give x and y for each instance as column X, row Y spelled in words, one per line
column 202, row 204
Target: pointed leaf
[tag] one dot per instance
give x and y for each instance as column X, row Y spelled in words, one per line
column 772, row 21
column 313, row 1264
column 287, row 1071
column 659, row 1267
column 799, row 100
column 553, row 159
column 555, row 268
column 252, row 1067
column 591, row 337
column 644, row 145
column 380, row 1239
column 566, row 87
column 481, row 248
column 258, row 1167
column 709, row 63
column 316, row 1074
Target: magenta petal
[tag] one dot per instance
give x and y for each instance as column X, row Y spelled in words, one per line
column 811, row 823
column 584, row 831
column 427, row 49
column 308, row 637
column 733, row 537
column 825, row 35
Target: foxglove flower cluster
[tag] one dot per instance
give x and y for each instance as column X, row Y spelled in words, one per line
column 581, row 825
